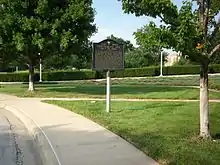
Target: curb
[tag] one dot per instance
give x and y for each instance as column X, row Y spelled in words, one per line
column 41, row 141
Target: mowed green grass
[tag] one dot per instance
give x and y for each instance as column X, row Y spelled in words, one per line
column 166, row 80
column 83, row 90
column 214, row 81
column 168, row 132
column 149, row 87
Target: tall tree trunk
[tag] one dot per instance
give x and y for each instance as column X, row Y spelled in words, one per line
column 204, row 101
column 31, row 78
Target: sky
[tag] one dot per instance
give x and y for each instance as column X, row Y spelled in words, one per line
column 110, row 19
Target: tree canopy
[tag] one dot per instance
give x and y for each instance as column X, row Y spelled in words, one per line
column 127, row 44
column 29, row 27
column 193, row 30
column 181, row 29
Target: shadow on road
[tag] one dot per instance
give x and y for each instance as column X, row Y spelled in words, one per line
column 16, row 144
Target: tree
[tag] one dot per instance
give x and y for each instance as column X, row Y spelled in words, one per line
column 142, row 57
column 136, row 58
column 81, row 60
column 188, row 31
column 216, row 58
column 154, row 38
column 46, row 27
column 150, row 41
column 128, row 46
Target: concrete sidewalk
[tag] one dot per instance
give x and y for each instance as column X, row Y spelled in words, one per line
column 73, row 139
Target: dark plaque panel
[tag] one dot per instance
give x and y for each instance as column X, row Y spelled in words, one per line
column 108, row 55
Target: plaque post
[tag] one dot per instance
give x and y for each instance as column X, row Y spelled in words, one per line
column 107, row 56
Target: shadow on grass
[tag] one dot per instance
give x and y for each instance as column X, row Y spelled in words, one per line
column 216, row 136
column 151, row 106
column 172, row 150
column 117, row 90
column 40, row 83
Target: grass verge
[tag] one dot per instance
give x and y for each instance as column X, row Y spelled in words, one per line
column 165, row 131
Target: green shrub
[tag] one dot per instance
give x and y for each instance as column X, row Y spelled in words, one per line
column 89, row 74
column 48, row 76
column 137, row 72
column 70, row 75
column 214, row 68
column 17, row 77
column 182, row 69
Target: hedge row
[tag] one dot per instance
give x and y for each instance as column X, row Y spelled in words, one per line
column 85, row 75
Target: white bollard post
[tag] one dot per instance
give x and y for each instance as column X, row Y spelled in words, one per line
column 161, row 64
column 40, row 72
column 108, row 92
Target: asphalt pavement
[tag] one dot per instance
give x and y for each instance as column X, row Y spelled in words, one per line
column 16, row 145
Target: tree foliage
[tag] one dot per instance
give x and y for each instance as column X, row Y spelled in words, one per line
column 183, row 34
column 128, row 46
column 143, row 57
column 164, row 9
column 45, row 26
column 190, row 30
column 77, row 61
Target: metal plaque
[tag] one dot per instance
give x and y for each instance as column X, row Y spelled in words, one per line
column 108, row 55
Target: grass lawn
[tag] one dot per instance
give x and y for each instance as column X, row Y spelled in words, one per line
column 98, row 91
column 214, row 81
column 165, row 131
column 149, row 87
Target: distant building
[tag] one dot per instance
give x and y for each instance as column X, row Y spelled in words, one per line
column 172, row 58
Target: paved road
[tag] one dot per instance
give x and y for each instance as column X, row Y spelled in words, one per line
column 16, row 146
